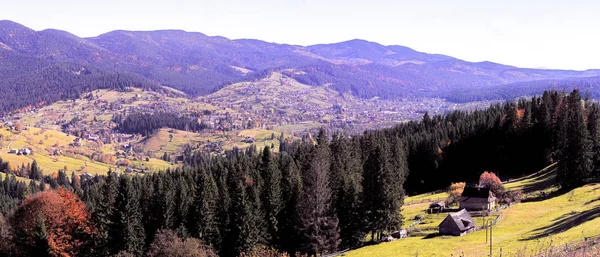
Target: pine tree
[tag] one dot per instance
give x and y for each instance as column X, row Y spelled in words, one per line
column 288, row 218
column 576, row 158
column 319, row 224
column 35, row 173
column 183, row 200
column 206, row 202
column 346, row 168
column 594, row 132
column 127, row 220
column 270, row 193
column 42, row 248
column 384, row 169
column 101, row 217
column 241, row 232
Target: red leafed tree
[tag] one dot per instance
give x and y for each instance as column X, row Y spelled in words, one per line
column 491, row 181
column 67, row 223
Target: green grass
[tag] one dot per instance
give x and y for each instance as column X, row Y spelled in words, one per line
column 524, row 227
column 26, row 180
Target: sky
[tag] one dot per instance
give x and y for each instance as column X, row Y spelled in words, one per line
column 558, row 34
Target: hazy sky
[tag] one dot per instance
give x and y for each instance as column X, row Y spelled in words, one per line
column 527, row 33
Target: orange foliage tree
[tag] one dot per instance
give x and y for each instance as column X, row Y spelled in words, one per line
column 491, row 181
column 455, row 191
column 67, row 223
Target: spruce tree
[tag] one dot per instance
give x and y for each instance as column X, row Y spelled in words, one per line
column 594, row 132
column 241, row 233
column 128, row 230
column 270, row 193
column 384, row 169
column 289, row 218
column 42, row 248
column 346, row 165
column 206, row 201
column 102, row 215
column 576, row 157
column 319, row 223
column 35, row 173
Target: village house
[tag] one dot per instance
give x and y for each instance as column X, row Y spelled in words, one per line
column 437, row 207
column 25, row 151
column 457, row 224
column 477, row 199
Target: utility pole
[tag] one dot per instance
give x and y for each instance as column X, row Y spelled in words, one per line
column 486, row 230
column 491, row 229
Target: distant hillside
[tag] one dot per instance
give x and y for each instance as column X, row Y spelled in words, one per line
column 198, row 64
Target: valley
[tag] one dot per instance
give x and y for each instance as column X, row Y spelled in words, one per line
column 82, row 136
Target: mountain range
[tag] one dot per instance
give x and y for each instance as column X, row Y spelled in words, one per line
column 196, row 64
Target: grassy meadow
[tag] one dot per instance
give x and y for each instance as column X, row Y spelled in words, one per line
column 541, row 221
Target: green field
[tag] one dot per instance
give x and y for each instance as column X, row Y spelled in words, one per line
column 539, row 222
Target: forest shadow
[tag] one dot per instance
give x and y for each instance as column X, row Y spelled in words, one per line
column 564, row 223
column 543, row 182
column 545, row 196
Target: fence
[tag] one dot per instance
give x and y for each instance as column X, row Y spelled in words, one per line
column 425, row 200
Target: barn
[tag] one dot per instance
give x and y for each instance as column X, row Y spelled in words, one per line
column 457, row 224
column 437, row 207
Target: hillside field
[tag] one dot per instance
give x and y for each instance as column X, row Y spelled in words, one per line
column 541, row 221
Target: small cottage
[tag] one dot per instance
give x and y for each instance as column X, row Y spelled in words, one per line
column 477, row 199
column 26, row 151
column 437, row 207
column 400, row 234
column 457, row 224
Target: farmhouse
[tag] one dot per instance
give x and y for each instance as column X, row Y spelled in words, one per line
column 477, row 199
column 437, row 207
column 457, row 224
column 25, row 151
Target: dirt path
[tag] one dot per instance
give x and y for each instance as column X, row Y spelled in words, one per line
column 15, row 139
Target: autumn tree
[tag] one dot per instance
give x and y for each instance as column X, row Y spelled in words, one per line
column 491, row 181
column 65, row 220
column 168, row 244
column 455, row 191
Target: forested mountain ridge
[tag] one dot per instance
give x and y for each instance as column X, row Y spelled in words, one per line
column 198, row 64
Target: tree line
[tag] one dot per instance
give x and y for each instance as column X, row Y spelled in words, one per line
column 147, row 123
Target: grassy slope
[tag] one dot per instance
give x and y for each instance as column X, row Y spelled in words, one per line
column 523, row 227
column 26, row 180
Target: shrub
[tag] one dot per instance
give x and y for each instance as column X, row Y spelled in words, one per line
column 168, row 244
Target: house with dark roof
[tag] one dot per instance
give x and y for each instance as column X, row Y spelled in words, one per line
column 437, row 207
column 457, row 224
column 477, row 199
